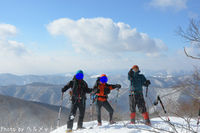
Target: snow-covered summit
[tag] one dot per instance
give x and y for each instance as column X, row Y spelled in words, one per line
column 158, row 125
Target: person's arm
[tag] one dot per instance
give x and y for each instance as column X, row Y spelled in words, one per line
column 130, row 75
column 95, row 87
column 95, row 90
column 145, row 81
column 87, row 90
column 66, row 87
column 111, row 87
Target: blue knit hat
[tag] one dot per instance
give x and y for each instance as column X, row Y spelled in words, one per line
column 79, row 75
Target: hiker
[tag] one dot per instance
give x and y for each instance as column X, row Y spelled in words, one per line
column 101, row 89
column 137, row 81
column 79, row 88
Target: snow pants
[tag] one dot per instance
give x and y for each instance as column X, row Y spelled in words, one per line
column 76, row 104
column 107, row 106
column 137, row 100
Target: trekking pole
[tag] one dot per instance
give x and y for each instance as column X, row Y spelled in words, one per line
column 117, row 96
column 198, row 124
column 60, row 110
column 163, row 107
column 147, row 90
column 91, row 108
column 198, row 121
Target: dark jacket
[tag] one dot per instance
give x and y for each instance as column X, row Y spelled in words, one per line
column 79, row 88
column 137, row 81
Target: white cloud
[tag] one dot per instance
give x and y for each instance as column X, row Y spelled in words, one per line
column 102, row 35
column 10, row 47
column 97, row 35
column 7, row 30
column 165, row 4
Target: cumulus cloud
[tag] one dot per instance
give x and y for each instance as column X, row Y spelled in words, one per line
column 7, row 30
column 165, row 4
column 10, row 47
column 102, row 35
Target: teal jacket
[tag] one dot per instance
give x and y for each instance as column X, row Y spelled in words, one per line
column 137, row 81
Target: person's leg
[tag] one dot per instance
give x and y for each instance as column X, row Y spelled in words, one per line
column 109, row 108
column 132, row 106
column 72, row 115
column 81, row 107
column 143, row 110
column 98, row 108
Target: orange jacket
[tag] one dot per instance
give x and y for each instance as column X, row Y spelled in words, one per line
column 101, row 93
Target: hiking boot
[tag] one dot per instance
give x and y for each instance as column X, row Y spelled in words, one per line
column 132, row 116
column 99, row 124
column 146, row 119
column 147, row 122
column 69, row 131
column 132, row 121
column 112, row 122
column 78, row 128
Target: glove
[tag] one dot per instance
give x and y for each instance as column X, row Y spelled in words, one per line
column 63, row 90
column 130, row 71
column 147, row 83
column 118, row 86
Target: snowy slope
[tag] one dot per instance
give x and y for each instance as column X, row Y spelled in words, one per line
column 17, row 113
column 123, row 127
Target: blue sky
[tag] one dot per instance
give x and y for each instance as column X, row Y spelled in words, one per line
column 49, row 49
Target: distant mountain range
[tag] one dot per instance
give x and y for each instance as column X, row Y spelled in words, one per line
column 10, row 79
column 47, row 89
column 60, row 79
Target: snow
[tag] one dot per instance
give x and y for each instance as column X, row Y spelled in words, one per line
column 68, row 75
column 94, row 76
column 125, row 127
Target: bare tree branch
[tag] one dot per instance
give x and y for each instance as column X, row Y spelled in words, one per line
column 191, row 35
column 191, row 85
column 193, row 57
